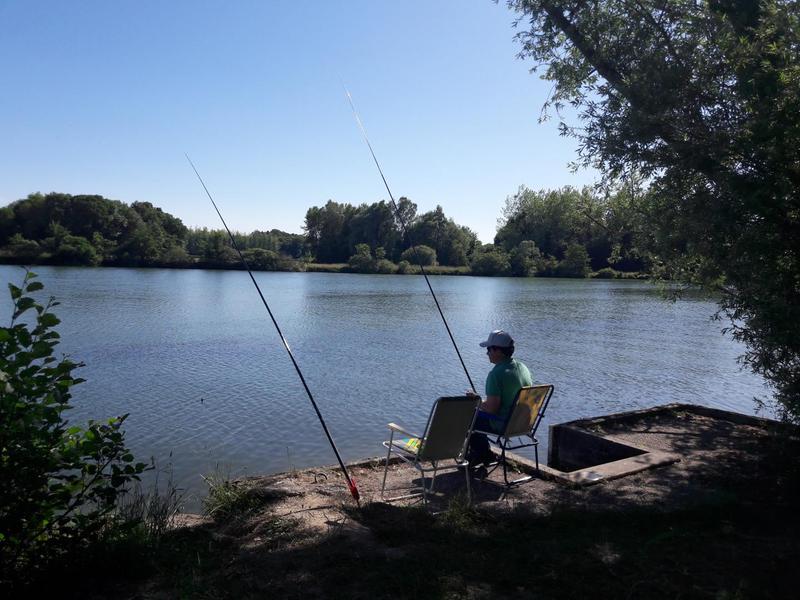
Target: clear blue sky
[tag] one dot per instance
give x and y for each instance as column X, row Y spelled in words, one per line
column 105, row 97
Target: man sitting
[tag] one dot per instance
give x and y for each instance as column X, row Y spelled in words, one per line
column 503, row 383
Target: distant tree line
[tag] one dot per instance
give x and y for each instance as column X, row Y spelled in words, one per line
column 566, row 232
column 90, row 230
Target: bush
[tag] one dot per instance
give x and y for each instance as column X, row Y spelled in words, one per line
column 385, row 267
column 404, row 267
column 362, row 261
column 60, row 483
column 606, row 273
column 491, row 262
column 23, row 249
column 262, row 260
column 420, row 255
column 76, row 250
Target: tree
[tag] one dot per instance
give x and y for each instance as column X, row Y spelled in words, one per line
column 60, row 481
column 525, row 259
column 453, row 243
column 327, row 230
column 575, row 262
column 701, row 98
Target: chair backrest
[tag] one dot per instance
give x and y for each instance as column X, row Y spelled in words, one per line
column 528, row 410
column 448, row 427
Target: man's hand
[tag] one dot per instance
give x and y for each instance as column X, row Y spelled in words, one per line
column 472, row 394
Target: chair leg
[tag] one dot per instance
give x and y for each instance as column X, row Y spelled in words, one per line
column 386, row 467
column 536, row 453
column 505, row 466
column 433, row 478
column 469, row 487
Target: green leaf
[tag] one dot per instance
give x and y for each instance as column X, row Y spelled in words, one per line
column 24, row 304
column 35, row 286
column 15, row 291
column 5, row 334
column 48, row 320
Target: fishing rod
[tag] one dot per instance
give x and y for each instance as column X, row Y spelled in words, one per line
column 408, row 234
column 351, row 484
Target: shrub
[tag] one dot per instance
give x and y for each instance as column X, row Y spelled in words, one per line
column 23, row 249
column 420, row 255
column 385, row 267
column 362, row 261
column 491, row 262
column 76, row 250
column 606, row 273
column 60, row 483
column 262, row 260
column 404, row 267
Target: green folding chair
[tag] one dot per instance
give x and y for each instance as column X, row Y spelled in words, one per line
column 442, row 446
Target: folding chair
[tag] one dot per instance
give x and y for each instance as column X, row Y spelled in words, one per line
column 526, row 413
column 445, row 439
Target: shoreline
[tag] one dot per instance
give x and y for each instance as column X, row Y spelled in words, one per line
column 328, row 268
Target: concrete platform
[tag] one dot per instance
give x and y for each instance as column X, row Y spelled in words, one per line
column 588, row 451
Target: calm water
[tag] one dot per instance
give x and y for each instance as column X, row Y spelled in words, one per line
column 194, row 359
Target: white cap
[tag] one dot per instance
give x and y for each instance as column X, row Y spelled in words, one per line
column 498, row 338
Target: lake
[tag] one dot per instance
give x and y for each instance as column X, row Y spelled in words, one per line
column 195, row 360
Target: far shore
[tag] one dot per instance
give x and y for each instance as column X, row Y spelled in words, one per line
column 311, row 267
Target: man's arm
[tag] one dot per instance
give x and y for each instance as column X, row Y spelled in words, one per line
column 491, row 405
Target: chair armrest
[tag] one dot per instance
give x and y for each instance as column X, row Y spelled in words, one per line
column 397, row 428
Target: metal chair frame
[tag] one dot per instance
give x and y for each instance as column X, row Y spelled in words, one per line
column 417, row 458
column 504, row 441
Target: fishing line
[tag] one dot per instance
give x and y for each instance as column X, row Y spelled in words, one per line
column 351, row 484
column 407, row 233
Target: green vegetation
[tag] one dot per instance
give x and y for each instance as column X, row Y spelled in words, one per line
column 91, row 230
column 701, row 100
column 538, row 229
column 230, row 498
column 61, row 483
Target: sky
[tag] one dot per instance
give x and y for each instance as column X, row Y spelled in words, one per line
column 101, row 97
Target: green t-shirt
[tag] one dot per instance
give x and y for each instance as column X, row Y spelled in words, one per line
column 505, row 380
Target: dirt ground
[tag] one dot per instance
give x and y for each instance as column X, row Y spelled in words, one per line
column 713, row 524
column 711, row 452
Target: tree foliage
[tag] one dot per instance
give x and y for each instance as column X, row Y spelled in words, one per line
column 420, row 255
column 607, row 226
column 60, row 482
column 702, row 99
column 335, row 230
column 91, row 230
column 491, row 260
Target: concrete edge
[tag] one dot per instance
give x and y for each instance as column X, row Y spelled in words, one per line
column 598, row 473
